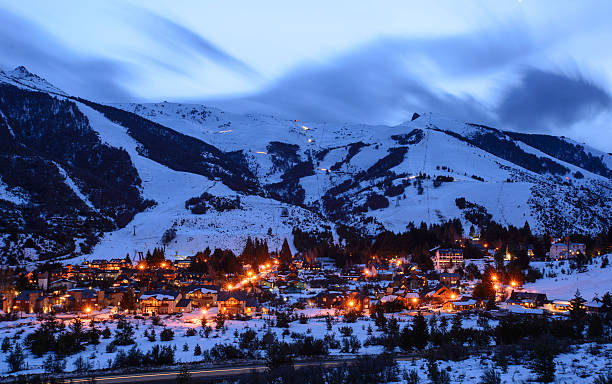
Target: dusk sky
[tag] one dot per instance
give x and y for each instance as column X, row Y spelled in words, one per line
column 532, row 66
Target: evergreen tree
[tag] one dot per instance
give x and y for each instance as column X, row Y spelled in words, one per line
column 129, row 300
column 15, row 358
column 285, row 255
column 419, row 331
column 543, row 364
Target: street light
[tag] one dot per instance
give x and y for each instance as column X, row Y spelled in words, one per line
column 513, row 283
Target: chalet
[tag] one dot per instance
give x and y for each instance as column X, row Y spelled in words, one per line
column 31, row 301
column 448, row 259
column 450, row 279
column 159, row 302
column 235, row 303
column 357, row 301
column 83, row 298
column 183, row 306
column 6, row 301
column 330, row 299
column 412, row 300
column 527, row 299
column 415, row 281
column 441, row 294
column 202, row 296
column 463, row 304
column 561, row 305
column 62, row 283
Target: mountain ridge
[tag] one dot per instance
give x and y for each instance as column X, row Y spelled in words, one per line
column 286, row 173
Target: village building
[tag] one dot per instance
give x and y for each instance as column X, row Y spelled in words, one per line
column 159, row 302
column 560, row 251
column 236, row 303
column 202, row 296
column 448, row 259
column 450, row 279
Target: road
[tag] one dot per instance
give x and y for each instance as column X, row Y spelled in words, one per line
column 163, row 377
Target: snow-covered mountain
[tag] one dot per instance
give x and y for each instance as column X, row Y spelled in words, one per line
column 217, row 177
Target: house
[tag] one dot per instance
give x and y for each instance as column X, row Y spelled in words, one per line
column 65, row 283
column 31, row 301
column 527, row 299
column 559, row 251
column 561, row 305
column 441, row 294
column 463, row 304
column 184, row 305
column 235, row 303
column 83, row 298
column 202, row 296
column 447, row 259
column 159, row 302
column 415, row 281
column 330, row 299
column 450, row 279
column 412, row 300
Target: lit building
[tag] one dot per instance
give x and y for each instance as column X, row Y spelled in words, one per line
column 560, row 251
column 447, row 259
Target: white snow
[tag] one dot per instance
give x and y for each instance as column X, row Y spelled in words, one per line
column 595, row 282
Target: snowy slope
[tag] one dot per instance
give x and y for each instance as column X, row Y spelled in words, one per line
column 595, row 282
column 23, row 78
column 170, row 189
column 436, row 154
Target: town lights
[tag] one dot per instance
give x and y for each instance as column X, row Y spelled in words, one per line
column 494, row 278
column 87, row 310
column 414, row 299
column 141, row 266
column 351, row 303
column 204, row 311
column 163, row 265
column 268, row 265
column 250, row 273
column 453, row 296
column 513, row 283
column 229, row 287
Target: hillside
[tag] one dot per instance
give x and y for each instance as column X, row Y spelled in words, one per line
column 84, row 179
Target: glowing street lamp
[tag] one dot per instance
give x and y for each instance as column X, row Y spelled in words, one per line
column 494, row 278
column 351, row 303
column 204, row 311
column 513, row 283
column 229, row 287
column 141, row 266
column 250, row 273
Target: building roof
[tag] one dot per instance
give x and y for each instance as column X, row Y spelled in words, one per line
column 25, row 295
column 183, row 303
column 226, row 295
column 159, row 295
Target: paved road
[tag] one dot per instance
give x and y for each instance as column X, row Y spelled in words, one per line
column 170, row 376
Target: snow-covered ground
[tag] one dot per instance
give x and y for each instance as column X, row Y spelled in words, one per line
column 595, row 282
column 582, row 365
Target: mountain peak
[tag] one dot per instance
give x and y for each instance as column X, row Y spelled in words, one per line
column 23, row 78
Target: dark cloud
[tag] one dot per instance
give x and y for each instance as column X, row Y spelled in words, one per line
column 24, row 43
column 544, row 101
column 178, row 37
column 373, row 85
column 383, row 81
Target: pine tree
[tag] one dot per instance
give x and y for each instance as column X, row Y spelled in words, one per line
column 419, row 331
column 543, row 364
column 285, row 255
column 129, row 300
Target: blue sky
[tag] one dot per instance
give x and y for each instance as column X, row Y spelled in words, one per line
column 534, row 66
